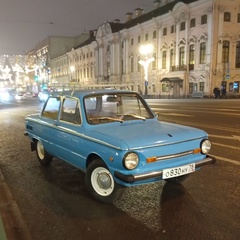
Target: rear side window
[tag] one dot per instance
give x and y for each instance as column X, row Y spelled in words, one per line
column 51, row 108
column 70, row 111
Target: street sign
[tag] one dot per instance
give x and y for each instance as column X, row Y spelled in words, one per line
column 227, row 77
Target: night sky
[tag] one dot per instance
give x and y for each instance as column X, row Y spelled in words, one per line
column 25, row 23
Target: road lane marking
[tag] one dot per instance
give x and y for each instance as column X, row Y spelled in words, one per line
column 202, row 125
column 234, row 137
column 224, row 145
column 226, row 160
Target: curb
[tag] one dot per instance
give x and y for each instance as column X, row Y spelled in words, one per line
column 12, row 226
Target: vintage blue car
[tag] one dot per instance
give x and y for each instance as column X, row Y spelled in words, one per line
column 115, row 138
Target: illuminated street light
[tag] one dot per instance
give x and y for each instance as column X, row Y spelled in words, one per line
column 72, row 69
column 145, row 50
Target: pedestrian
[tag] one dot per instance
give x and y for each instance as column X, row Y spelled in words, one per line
column 216, row 92
column 224, row 92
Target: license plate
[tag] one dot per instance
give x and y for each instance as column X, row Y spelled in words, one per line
column 178, row 171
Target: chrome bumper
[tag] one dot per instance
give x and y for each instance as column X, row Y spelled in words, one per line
column 158, row 174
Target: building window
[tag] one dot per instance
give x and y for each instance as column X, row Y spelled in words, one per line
column 132, row 64
column 227, row 17
column 192, row 22
column 204, row 19
column 182, row 26
column 165, row 31
column 164, row 88
column 238, row 18
column 172, row 29
column 191, row 57
column 181, row 57
column 190, row 88
column 132, row 41
column 172, row 62
column 164, row 59
column 154, row 34
column 154, row 62
column 139, row 65
column 225, row 52
column 201, row 87
column 146, row 37
column 139, row 39
column 203, row 53
column 237, row 64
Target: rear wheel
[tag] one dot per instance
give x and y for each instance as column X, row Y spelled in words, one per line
column 43, row 156
column 100, row 183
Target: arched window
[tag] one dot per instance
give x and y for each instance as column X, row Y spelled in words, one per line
column 164, row 59
column 237, row 64
column 181, row 57
column 203, row 53
column 191, row 56
column 225, row 51
column 172, row 58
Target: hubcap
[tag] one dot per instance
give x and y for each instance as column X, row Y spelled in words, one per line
column 104, row 180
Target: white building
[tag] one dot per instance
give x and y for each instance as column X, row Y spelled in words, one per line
column 196, row 47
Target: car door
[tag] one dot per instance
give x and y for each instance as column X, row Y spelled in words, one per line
column 70, row 131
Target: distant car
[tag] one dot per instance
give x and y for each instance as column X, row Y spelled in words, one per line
column 43, row 95
column 20, row 95
column 115, row 138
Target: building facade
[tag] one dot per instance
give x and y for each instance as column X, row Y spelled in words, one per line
column 195, row 48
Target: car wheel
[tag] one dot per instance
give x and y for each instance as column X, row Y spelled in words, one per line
column 100, row 183
column 43, row 156
column 177, row 180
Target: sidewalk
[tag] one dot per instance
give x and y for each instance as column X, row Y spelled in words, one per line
column 12, row 226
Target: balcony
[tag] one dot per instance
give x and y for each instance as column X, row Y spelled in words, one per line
column 178, row 68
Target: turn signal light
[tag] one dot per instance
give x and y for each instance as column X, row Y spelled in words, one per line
column 197, row 150
column 151, row 159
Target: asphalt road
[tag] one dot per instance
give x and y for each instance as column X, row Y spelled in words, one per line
column 54, row 203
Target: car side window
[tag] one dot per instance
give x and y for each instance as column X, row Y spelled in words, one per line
column 70, row 111
column 51, row 108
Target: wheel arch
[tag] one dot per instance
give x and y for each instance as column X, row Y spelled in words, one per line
column 92, row 157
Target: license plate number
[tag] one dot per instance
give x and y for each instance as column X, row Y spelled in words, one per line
column 178, row 171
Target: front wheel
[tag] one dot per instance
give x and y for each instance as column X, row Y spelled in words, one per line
column 100, row 183
column 43, row 156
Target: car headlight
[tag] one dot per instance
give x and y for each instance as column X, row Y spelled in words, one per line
column 206, row 146
column 130, row 160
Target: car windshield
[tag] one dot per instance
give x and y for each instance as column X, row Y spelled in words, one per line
column 116, row 108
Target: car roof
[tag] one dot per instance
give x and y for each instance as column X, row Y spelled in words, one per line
column 86, row 92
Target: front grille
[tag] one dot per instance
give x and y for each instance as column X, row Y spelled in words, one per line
column 176, row 155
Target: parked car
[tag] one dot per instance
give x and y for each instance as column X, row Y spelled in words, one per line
column 116, row 139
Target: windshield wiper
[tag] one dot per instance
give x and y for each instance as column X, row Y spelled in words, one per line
column 134, row 116
column 108, row 118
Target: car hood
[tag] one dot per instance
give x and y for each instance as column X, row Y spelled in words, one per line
column 143, row 134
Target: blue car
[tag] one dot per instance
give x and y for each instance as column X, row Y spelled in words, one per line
column 116, row 139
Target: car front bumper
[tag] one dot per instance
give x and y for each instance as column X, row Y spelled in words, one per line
column 156, row 174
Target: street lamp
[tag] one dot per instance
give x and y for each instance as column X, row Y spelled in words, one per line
column 145, row 50
column 72, row 69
